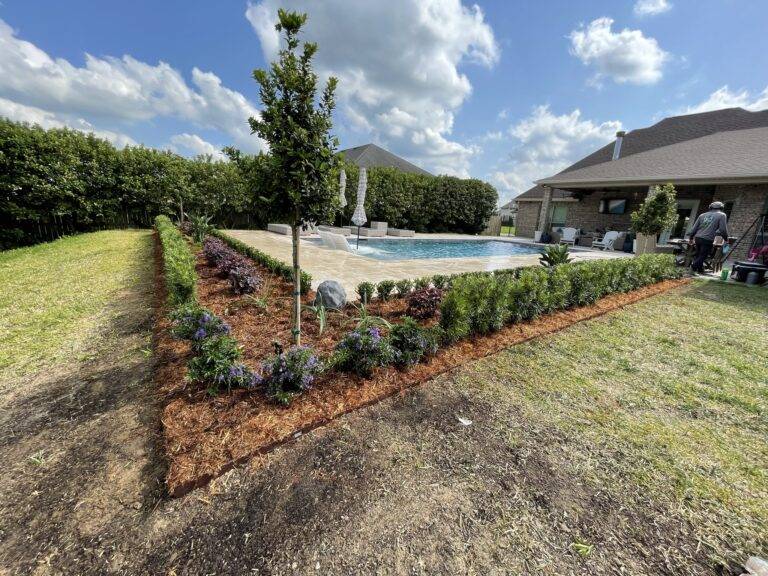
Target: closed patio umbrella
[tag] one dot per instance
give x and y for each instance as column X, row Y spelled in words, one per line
column 342, row 188
column 359, row 218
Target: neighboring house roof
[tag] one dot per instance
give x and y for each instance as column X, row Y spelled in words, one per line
column 725, row 157
column 509, row 205
column 370, row 155
column 669, row 131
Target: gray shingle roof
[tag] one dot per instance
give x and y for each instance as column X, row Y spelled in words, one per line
column 669, row 131
column 370, row 155
column 733, row 156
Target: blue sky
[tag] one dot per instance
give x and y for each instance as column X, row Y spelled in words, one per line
column 500, row 90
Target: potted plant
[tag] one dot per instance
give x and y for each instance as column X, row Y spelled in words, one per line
column 657, row 213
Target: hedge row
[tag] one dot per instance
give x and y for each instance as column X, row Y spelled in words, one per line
column 421, row 202
column 484, row 302
column 178, row 262
column 61, row 181
column 272, row 264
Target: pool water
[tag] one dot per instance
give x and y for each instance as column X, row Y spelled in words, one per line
column 424, row 249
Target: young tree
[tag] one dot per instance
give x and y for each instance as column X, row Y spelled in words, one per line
column 297, row 128
column 657, row 213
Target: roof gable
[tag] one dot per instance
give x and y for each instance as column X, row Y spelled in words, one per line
column 371, row 155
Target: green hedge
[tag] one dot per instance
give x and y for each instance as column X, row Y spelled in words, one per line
column 178, row 263
column 421, row 202
column 484, row 302
column 272, row 264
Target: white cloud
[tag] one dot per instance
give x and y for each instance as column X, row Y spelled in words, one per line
column 195, row 145
column 44, row 119
column 122, row 90
column 398, row 65
column 626, row 57
column 546, row 144
column 724, row 98
column 651, row 7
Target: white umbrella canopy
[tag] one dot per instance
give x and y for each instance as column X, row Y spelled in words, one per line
column 359, row 218
column 342, row 188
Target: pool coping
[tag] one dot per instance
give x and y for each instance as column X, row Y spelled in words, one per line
column 349, row 269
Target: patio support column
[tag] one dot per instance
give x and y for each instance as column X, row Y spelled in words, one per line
column 546, row 201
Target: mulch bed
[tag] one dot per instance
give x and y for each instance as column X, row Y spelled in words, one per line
column 206, row 436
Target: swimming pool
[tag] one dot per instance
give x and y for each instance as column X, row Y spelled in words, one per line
column 425, row 249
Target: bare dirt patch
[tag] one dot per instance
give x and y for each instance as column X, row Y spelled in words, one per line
column 206, row 436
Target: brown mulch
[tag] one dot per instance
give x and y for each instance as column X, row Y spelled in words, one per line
column 206, row 436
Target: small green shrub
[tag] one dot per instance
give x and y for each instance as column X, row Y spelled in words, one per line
column 365, row 291
column 440, row 281
column 363, row 350
column 199, row 227
column 384, row 289
column 178, row 263
column 555, row 255
column 421, row 283
column 410, row 342
column 404, row 287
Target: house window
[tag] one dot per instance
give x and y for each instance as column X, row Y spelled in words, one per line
column 557, row 215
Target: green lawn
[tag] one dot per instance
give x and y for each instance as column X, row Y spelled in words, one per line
column 507, row 230
column 55, row 297
column 670, row 396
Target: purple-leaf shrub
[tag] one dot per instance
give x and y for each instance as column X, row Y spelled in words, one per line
column 244, row 280
column 424, row 303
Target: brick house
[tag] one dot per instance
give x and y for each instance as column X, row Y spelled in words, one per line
column 720, row 155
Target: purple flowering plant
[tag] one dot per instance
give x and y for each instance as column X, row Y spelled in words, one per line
column 290, row 372
column 195, row 323
column 363, row 350
column 218, row 365
column 244, row 280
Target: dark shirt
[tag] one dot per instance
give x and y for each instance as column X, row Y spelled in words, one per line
column 710, row 224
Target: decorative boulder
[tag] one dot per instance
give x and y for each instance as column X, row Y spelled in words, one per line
column 331, row 295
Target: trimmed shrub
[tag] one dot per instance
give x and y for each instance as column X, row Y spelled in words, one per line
column 423, row 304
column 481, row 303
column 272, row 264
column 404, row 287
column 440, row 281
column 384, row 289
column 363, row 350
column 244, row 280
column 178, row 263
column 421, row 283
column 365, row 291
column 410, row 342
column 290, row 373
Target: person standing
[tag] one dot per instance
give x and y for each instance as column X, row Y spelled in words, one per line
column 707, row 226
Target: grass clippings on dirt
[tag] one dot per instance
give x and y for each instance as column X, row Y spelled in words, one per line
column 205, row 436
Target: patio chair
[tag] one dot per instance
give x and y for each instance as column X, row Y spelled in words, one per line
column 607, row 242
column 569, row 236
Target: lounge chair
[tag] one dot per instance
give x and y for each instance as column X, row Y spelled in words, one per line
column 607, row 242
column 569, row 236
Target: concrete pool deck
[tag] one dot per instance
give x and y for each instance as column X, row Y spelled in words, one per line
column 351, row 269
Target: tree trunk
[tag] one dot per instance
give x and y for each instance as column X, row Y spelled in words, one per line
column 296, row 287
